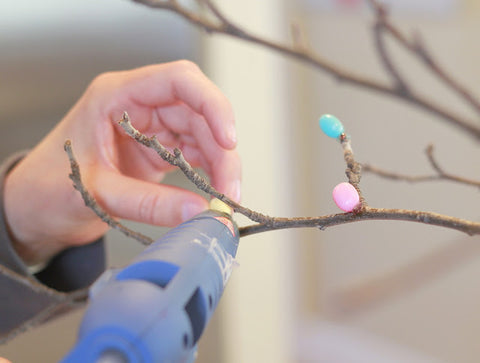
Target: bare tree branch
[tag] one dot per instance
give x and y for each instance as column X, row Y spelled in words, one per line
column 223, row 25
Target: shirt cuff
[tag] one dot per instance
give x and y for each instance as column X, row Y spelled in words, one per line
column 72, row 269
column 8, row 256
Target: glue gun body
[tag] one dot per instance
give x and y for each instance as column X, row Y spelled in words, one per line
column 156, row 308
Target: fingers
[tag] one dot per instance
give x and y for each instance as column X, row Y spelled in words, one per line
column 200, row 148
column 129, row 198
column 224, row 170
column 183, row 108
column 223, row 166
column 165, row 84
column 226, row 176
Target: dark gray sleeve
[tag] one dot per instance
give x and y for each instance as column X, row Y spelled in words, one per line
column 24, row 296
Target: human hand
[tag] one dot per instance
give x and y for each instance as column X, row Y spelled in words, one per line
column 174, row 101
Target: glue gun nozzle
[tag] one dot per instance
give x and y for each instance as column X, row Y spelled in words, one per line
column 218, row 205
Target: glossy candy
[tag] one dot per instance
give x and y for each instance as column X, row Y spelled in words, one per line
column 331, row 126
column 346, row 197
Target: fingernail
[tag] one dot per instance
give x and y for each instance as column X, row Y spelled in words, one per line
column 232, row 134
column 235, row 192
column 190, row 210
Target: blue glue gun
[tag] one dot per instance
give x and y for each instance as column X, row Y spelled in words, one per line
column 156, row 308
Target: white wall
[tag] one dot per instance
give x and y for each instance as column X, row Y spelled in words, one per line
column 255, row 310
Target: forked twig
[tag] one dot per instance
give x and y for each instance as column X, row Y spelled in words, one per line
column 416, row 46
column 90, row 201
column 441, row 174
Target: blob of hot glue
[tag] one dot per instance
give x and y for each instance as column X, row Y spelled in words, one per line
column 346, row 197
column 218, row 205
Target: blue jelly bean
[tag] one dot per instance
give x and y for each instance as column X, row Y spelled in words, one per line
column 331, row 126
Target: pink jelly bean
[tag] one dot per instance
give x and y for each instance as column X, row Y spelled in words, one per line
column 346, row 197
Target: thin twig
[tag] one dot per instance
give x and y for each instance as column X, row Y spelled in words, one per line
column 225, row 23
column 368, row 168
column 381, row 25
column 441, row 174
column 299, row 39
column 63, row 303
column 90, row 201
column 30, row 282
column 354, row 169
column 38, row 319
column 224, row 26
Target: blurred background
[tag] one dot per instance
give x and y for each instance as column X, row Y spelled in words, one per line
column 365, row 292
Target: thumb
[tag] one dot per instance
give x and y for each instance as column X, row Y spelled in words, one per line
column 146, row 202
column 3, row 360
